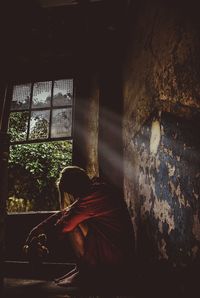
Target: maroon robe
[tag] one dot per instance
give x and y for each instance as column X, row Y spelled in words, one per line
column 110, row 239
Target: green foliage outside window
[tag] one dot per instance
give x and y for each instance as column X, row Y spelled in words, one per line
column 33, row 171
column 18, row 123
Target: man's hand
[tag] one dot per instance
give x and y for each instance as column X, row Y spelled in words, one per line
column 65, row 214
column 36, row 248
column 35, row 232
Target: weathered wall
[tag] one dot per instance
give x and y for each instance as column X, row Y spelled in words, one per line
column 86, row 117
column 161, row 130
column 110, row 149
column 110, row 128
column 92, row 125
column 4, row 143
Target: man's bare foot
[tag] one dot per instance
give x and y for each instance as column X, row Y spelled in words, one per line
column 71, row 280
column 59, row 279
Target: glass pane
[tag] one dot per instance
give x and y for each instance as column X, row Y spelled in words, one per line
column 63, row 92
column 41, row 94
column 39, row 125
column 61, row 123
column 21, row 97
column 18, row 124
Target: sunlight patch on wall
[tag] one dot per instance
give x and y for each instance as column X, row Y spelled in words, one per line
column 155, row 137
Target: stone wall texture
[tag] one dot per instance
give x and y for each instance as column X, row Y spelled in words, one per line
column 161, row 122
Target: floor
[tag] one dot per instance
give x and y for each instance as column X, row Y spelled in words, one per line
column 17, row 287
column 22, row 280
column 36, row 288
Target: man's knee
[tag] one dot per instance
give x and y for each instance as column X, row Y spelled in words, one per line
column 78, row 241
column 84, row 228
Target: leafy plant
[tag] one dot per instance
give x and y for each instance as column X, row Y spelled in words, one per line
column 33, row 171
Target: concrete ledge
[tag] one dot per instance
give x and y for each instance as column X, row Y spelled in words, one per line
column 35, row 288
column 45, row 271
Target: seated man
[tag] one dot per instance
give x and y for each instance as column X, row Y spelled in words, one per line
column 99, row 228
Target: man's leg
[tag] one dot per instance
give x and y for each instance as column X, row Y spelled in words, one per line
column 77, row 239
column 64, row 277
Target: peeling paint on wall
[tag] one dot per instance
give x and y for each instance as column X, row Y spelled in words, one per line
column 164, row 214
column 162, row 249
column 161, row 130
column 168, row 186
column 196, row 227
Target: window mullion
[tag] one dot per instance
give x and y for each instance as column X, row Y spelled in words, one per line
column 73, row 111
column 29, row 119
column 51, row 107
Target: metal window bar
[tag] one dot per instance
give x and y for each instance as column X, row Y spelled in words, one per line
column 51, row 107
column 29, row 117
column 42, row 140
column 42, row 108
column 73, row 109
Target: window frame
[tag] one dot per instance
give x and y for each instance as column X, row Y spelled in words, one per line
column 32, row 109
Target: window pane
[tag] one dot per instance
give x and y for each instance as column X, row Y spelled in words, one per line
column 21, row 97
column 63, row 92
column 18, row 124
column 41, row 94
column 39, row 125
column 61, row 123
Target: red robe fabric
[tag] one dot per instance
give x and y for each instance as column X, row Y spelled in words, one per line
column 110, row 240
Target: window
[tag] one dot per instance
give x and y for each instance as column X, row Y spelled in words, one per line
column 40, row 128
column 41, row 111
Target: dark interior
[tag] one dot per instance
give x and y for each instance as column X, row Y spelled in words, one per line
column 136, row 69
